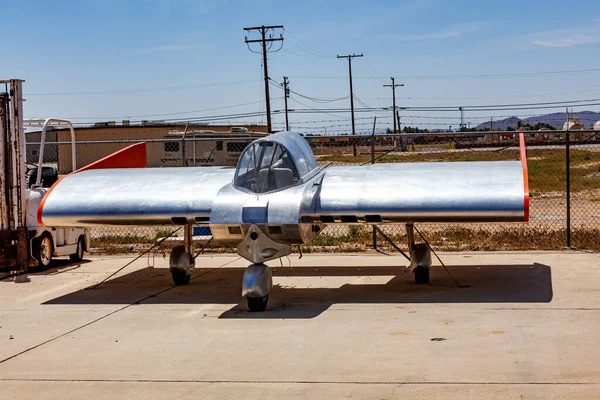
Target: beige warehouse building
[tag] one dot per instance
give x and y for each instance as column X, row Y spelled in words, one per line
column 203, row 145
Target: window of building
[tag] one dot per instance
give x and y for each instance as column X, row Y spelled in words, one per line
column 171, row 147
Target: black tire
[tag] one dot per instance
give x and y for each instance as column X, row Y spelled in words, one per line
column 43, row 247
column 180, row 278
column 80, row 249
column 257, row 304
column 421, row 276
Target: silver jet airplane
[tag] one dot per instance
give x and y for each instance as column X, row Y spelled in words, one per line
column 278, row 196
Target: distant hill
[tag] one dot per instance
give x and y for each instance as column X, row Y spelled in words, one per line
column 557, row 120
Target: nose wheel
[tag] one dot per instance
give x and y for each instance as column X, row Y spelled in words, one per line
column 257, row 304
column 256, row 286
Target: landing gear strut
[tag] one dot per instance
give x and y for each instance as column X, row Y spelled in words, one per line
column 256, row 286
column 181, row 262
column 420, row 257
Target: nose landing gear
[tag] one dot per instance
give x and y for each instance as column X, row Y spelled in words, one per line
column 256, row 286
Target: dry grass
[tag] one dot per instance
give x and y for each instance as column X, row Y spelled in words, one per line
column 360, row 239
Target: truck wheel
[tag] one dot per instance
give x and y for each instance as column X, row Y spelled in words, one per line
column 80, row 249
column 43, row 249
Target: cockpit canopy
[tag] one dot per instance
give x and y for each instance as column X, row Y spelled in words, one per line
column 275, row 162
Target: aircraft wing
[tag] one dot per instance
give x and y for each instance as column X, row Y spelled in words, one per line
column 118, row 190
column 427, row 192
column 424, row 192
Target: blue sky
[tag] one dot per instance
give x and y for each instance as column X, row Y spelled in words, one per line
column 169, row 56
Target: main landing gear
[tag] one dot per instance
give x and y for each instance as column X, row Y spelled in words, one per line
column 181, row 261
column 420, row 257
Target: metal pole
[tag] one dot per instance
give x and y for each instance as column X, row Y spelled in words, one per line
column 568, row 177
column 18, row 147
column 373, row 162
column 188, row 233
column 394, row 103
column 183, row 160
column 373, row 141
column 19, row 184
column 410, row 236
column 4, row 177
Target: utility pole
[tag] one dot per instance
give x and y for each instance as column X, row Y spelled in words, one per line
column 462, row 117
column 393, row 86
column 264, row 40
column 286, row 94
column 350, row 57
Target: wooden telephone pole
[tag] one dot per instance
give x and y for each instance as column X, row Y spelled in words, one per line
column 393, row 86
column 350, row 57
column 286, row 94
column 264, row 40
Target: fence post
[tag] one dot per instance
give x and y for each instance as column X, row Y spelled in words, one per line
column 568, row 178
column 183, row 161
column 373, row 162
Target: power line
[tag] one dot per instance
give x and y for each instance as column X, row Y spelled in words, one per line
column 146, row 90
column 171, row 113
column 316, row 100
column 472, row 76
column 312, row 49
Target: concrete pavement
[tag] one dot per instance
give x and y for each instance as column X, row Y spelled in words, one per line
column 524, row 326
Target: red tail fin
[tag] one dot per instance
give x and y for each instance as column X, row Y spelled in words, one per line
column 133, row 156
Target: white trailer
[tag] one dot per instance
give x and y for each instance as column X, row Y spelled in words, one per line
column 50, row 242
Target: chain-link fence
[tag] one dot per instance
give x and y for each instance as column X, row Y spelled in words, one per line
column 564, row 192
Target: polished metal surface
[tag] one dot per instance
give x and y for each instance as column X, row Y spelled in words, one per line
column 420, row 257
column 257, row 281
column 425, row 192
column 135, row 196
column 281, row 210
column 257, row 247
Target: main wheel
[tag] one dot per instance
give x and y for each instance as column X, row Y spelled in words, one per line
column 78, row 256
column 257, row 304
column 43, row 249
column 180, row 278
column 421, row 276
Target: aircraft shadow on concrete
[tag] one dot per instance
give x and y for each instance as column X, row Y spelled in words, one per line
column 531, row 283
column 57, row 266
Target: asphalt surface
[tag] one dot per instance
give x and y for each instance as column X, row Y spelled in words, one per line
column 524, row 325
